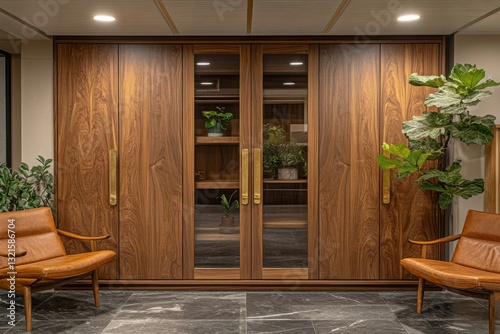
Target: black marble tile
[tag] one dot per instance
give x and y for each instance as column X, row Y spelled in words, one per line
column 185, row 305
column 446, row 327
column 280, row 326
column 79, row 304
column 360, row 326
column 56, row 326
column 175, row 327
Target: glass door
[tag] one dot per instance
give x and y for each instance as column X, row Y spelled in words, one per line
column 251, row 215
column 281, row 237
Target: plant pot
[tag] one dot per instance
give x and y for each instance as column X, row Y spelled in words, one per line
column 226, row 221
column 216, row 131
column 288, row 174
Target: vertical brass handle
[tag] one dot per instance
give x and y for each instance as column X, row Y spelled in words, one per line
column 244, row 176
column 386, row 183
column 112, row 177
column 256, row 176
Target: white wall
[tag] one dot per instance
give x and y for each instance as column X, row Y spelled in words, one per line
column 37, row 133
column 484, row 51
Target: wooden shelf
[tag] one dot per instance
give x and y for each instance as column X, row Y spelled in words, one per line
column 224, row 140
column 217, row 184
column 279, row 222
column 285, row 181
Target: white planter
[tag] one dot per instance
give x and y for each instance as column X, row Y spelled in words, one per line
column 288, row 174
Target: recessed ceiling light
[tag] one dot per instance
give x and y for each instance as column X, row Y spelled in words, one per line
column 203, row 63
column 288, row 83
column 104, row 18
column 206, row 83
column 296, row 63
column 407, row 18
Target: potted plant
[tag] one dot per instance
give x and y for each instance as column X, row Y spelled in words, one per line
column 228, row 206
column 281, row 155
column 217, row 121
column 26, row 188
column 430, row 133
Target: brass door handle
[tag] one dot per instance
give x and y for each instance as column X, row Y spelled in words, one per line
column 386, row 183
column 113, row 198
column 256, row 176
column 244, row 176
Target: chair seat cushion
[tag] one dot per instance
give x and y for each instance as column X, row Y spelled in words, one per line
column 63, row 266
column 451, row 274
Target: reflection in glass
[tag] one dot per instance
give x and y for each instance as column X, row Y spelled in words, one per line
column 217, row 237
column 285, row 161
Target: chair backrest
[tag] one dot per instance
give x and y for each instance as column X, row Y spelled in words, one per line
column 33, row 231
column 479, row 246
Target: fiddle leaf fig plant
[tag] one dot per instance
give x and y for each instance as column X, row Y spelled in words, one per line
column 430, row 133
column 26, row 188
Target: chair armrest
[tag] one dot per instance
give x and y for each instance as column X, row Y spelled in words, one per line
column 17, row 252
column 81, row 237
column 437, row 241
column 424, row 244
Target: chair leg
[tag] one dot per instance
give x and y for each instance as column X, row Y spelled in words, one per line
column 95, row 287
column 492, row 302
column 27, row 306
column 420, row 295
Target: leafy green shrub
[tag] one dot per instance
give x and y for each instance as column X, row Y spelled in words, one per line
column 27, row 188
column 430, row 133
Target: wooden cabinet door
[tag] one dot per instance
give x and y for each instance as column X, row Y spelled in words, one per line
column 150, row 155
column 348, row 171
column 411, row 212
column 86, row 130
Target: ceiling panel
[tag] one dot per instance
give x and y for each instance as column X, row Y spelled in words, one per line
column 229, row 17
column 65, row 17
column 207, row 17
column 292, row 17
column 487, row 26
column 438, row 17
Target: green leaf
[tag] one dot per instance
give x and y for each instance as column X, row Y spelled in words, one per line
column 399, row 150
column 445, row 200
column 418, row 158
column 486, row 84
column 471, row 133
column 427, row 185
column 468, row 188
column 467, row 75
column 475, row 98
column 406, row 169
column 388, row 163
column 429, row 145
column 429, row 124
column 429, row 81
column 444, row 97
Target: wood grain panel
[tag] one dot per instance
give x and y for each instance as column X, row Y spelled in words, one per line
column 151, row 162
column 348, row 172
column 492, row 166
column 87, row 125
column 188, row 198
column 312, row 159
column 412, row 213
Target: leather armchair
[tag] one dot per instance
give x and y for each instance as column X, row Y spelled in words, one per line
column 474, row 269
column 33, row 257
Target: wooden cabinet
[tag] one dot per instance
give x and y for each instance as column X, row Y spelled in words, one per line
column 338, row 102
column 86, row 130
column 125, row 98
column 364, row 97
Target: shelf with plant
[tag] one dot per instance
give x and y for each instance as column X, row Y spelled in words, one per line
column 429, row 134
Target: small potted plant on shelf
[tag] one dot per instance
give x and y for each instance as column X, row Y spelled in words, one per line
column 228, row 206
column 217, row 121
column 281, row 155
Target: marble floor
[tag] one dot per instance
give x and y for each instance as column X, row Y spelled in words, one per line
column 232, row 312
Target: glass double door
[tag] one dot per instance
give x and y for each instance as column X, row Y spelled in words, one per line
column 251, row 217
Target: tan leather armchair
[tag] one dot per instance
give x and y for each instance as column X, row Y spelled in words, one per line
column 40, row 260
column 474, row 269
